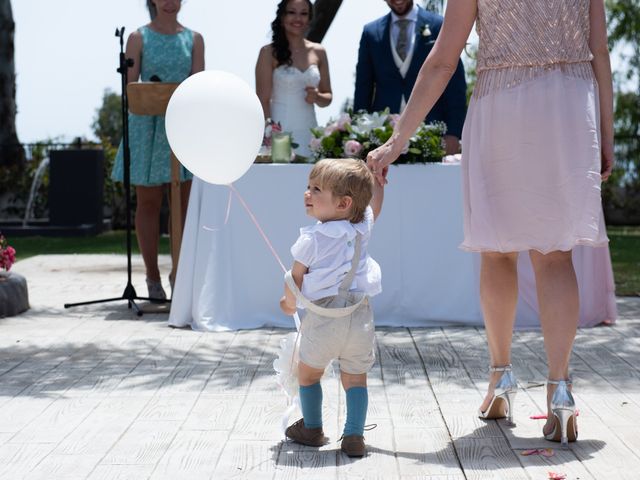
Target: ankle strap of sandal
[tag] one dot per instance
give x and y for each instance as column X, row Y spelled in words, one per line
column 558, row 382
column 506, row 368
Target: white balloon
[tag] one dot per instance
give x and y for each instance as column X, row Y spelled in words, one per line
column 215, row 125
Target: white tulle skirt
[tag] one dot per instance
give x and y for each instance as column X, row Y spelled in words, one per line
column 531, row 167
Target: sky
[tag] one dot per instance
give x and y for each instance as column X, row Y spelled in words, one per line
column 66, row 53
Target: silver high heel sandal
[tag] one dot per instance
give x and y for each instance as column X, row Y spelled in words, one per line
column 563, row 407
column 504, row 396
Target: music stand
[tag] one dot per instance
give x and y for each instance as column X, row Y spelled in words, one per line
column 142, row 101
column 152, row 98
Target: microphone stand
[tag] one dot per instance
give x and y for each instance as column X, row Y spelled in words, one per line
column 129, row 293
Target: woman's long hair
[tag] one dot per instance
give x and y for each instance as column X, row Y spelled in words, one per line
column 281, row 51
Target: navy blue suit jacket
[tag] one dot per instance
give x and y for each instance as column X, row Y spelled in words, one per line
column 379, row 84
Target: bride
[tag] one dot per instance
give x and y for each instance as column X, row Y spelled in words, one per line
column 292, row 74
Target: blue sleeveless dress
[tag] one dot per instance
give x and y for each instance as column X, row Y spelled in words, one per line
column 169, row 58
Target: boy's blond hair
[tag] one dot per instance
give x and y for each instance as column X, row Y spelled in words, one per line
column 346, row 177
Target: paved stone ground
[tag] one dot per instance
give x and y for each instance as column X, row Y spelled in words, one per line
column 97, row 393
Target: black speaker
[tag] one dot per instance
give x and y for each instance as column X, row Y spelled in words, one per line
column 76, row 187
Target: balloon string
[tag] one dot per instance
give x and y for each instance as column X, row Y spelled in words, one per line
column 226, row 216
column 291, row 402
column 255, row 221
column 296, row 318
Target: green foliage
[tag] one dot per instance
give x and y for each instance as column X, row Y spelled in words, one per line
column 15, row 185
column 354, row 135
column 623, row 18
column 622, row 192
column 625, row 257
column 107, row 124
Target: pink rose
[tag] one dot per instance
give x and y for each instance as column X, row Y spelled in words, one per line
column 315, row 144
column 343, row 121
column 330, row 129
column 352, row 148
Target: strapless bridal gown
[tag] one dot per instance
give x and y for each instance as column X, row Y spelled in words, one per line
column 289, row 107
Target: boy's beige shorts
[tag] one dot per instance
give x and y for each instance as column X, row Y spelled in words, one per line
column 350, row 339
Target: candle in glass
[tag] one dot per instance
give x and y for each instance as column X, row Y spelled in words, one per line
column 281, row 147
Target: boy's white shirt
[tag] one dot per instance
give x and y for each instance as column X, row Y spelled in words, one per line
column 327, row 250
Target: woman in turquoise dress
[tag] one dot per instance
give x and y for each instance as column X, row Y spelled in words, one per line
column 164, row 50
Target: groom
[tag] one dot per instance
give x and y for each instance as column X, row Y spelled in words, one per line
column 392, row 50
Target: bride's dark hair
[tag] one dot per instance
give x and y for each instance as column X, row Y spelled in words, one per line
column 281, row 51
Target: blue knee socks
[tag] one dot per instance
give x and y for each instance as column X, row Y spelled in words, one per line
column 357, row 403
column 311, row 403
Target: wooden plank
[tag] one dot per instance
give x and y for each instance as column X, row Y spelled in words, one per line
column 605, row 456
column 562, row 461
column 191, row 454
column 488, row 458
column 214, row 412
column 18, row 459
column 64, row 467
column 380, row 461
column 425, row 451
column 102, row 428
column 121, row 472
column 299, row 462
column 144, row 443
column 165, row 406
column 56, row 421
column 248, row 459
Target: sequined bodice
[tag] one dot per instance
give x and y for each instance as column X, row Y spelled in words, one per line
column 524, row 38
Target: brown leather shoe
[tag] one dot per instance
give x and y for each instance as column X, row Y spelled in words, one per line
column 312, row 437
column 353, row 445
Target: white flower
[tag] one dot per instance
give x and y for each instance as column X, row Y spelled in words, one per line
column 368, row 122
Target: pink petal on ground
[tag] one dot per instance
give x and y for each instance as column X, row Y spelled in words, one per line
column 533, row 451
column 547, row 452
column 540, row 416
column 557, row 476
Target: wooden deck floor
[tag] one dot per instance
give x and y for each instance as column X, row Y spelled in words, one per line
column 93, row 398
column 92, row 393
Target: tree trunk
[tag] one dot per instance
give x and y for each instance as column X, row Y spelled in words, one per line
column 324, row 12
column 11, row 152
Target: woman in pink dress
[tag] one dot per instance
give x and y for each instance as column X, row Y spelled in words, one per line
column 537, row 142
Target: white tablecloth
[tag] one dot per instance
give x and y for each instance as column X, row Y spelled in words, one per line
column 228, row 279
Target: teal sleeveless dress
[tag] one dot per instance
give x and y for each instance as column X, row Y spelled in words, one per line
column 169, row 58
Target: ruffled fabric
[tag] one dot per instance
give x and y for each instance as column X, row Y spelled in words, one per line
column 327, row 250
column 531, row 167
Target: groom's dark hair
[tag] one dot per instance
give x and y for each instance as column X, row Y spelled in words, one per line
column 281, row 51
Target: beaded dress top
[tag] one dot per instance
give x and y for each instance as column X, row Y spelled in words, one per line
column 521, row 40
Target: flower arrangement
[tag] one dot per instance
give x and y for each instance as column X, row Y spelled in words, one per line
column 273, row 130
column 7, row 254
column 354, row 135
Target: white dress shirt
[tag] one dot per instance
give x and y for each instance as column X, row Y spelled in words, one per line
column 327, row 250
column 412, row 16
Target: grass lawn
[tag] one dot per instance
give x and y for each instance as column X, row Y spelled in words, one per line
column 109, row 242
column 625, row 251
column 625, row 256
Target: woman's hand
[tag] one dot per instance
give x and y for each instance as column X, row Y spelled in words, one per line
column 312, row 95
column 606, row 159
column 378, row 160
column 285, row 307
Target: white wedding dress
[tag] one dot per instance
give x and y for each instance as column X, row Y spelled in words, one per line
column 289, row 107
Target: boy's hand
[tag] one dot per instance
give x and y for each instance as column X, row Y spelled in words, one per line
column 285, row 307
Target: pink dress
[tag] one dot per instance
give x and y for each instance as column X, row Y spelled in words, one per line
column 531, row 140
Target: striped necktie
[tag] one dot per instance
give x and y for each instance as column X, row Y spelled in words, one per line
column 402, row 44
